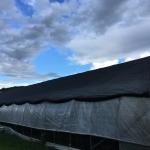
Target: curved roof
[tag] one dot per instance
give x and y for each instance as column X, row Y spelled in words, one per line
column 131, row 78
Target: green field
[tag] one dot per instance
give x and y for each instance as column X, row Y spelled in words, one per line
column 11, row 142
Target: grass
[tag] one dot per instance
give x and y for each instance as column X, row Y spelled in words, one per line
column 11, row 142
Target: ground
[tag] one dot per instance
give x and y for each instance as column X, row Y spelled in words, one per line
column 11, row 142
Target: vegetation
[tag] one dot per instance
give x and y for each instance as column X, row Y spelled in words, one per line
column 11, row 142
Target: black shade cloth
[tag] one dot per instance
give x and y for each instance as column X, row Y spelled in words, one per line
column 132, row 79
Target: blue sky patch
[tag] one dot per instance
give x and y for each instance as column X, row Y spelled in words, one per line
column 121, row 60
column 52, row 60
column 59, row 1
column 25, row 8
column 15, row 25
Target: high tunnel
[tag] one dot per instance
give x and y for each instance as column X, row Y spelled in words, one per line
column 110, row 106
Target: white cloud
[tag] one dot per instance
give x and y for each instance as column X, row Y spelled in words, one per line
column 11, row 84
column 145, row 54
column 97, row 65
column 110, row 30
column 117, row 42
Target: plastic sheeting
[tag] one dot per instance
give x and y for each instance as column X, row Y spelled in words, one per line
column 132, row 79
column 126, row 119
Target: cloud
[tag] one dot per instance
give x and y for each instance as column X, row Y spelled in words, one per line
column 119, row 42
column 21, row 44
column 7, row 84
column 98, row 32
column 99, row 15
column 110, row 30
column 17, row 66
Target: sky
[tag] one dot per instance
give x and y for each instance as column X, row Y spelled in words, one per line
column 46, row 39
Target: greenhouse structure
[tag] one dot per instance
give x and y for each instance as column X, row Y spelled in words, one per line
column 105, row 109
